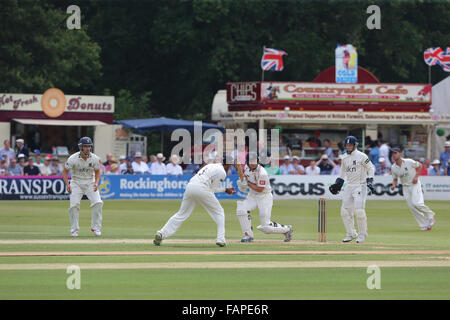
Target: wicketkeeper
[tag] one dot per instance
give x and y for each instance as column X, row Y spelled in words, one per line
column 359, row 171
column 259, row 196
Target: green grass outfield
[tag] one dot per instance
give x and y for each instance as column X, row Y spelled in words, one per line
column 35, row 250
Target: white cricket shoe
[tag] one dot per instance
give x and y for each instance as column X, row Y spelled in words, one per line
column 427, row 228
column 348, row 239
column 74, row 234
column 360, row 238
column 221, row 243
column 96, row 232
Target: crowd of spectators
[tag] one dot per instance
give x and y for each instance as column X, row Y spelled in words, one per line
column 19, row 162
column 380, row 155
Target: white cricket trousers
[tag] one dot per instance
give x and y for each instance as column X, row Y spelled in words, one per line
column 414, row 197
column 354, row 203
column 197, row 194
column 80, row 188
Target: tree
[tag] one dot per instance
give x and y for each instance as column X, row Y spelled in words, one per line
column 39, row 52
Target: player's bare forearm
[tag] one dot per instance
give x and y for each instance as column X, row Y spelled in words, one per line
column 65, row 175
column 97, row 176
column 394, row 184
column 97, row 179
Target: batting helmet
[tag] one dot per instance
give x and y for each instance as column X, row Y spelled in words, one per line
column 351, row 140
column 85, row 141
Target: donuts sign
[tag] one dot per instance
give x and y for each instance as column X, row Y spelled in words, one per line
column 54, row 103
column 49, row 106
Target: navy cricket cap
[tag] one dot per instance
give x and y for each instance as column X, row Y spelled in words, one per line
column 396, row 150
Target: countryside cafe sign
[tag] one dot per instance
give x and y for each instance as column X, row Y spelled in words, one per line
column 54, row 102
column 306, row 91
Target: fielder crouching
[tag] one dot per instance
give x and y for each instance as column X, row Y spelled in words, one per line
column 359, row 171
column 85, row 167
column 408, row 171
column 200, row 191
column 259, row 196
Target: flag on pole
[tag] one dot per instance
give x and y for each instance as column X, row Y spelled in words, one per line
column 272, row 59
column 445, row 59
column 433, row 56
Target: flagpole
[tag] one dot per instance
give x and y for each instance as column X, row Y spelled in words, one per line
column 262, row 73
column 429, row 74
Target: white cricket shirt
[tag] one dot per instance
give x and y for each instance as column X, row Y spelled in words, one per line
column 356, row 167
column 83, row 170
column 258, row 177
column 405, row 172
column 212, row 175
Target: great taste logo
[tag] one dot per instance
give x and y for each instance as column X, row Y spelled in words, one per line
column 104, row 187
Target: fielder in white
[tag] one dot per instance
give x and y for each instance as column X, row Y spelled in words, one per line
column 200, row 191
column 408, row 171
column 359, row 171
column 259, row 196
column 85, row 168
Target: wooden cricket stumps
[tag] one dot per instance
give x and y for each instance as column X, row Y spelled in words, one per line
column 322, row 220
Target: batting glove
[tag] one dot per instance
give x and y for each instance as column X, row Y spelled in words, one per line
column 370, row 186
column 242, row 186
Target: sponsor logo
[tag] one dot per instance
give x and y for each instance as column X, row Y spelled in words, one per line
column 32, row 187
column 104, row 186
column 297, row 188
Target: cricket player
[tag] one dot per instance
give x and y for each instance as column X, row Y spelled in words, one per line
column 200, row 191
column 85, row 168
column 408, row 171
column 359, row 171
column 259, row 196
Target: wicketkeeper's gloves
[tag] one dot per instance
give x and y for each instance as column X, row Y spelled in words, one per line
column 337, row 186
column 370, row 185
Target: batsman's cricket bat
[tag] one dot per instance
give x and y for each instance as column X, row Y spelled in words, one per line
column 240, row 171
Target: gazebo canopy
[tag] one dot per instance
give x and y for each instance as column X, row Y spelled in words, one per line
column 165, row 124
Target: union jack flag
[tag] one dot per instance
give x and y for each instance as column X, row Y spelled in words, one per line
column 445, row 59
column 272, row 59
column 433, row 56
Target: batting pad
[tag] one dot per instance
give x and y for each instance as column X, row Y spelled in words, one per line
column 273, row 227
column 244, row 219
column 361, row 221
column 349, row 223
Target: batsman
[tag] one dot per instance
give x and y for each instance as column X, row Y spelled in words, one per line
column 359, row 171
column 255, row 177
